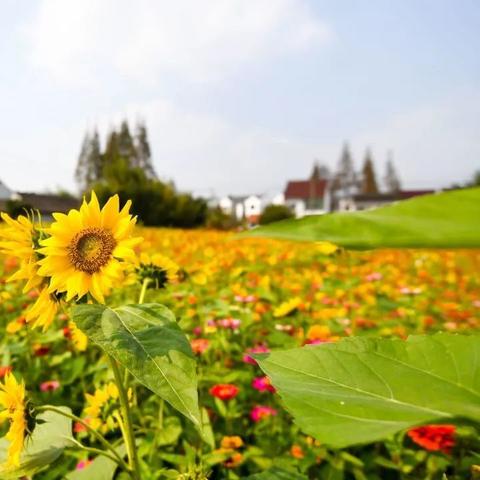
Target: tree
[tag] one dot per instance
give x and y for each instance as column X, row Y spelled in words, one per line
column 125, row 145
column 275, row 213
column 345, row 175
column 89, row 165
column 392, row 182
column 369, row 181
column 143, row 151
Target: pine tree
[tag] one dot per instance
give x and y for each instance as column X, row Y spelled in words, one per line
column 125, row 145
column 89, row 165
column 345, row 177
column 392, row 182
column 144, row 153
column 369, row 181
column 111, row 154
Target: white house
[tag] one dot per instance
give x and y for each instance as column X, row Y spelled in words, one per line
column 245, row 207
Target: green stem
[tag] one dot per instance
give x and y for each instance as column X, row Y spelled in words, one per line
column 145, row 283
column 95, row 451
column 127, row 421
column 97, row 435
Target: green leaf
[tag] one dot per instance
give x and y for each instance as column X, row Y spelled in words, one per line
column 148, row 342
column 276, row 473
column 101, row 468
column 46, row 444
column 442, row 220
column 364, row 389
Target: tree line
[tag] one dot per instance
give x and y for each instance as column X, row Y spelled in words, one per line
column 366, row 180
column 124, row 166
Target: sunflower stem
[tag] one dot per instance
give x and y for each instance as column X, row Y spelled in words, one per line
column 97, row 435
column 145, row 283
column 127, row 420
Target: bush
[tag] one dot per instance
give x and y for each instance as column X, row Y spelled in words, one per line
column 155, row 203
column 275, row 213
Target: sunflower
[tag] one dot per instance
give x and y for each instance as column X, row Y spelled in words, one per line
column 12, row 398
column 18, row 240
column 43, row 311
column 86, row 247
column 157, row 268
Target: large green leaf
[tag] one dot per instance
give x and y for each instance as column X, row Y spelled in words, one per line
column 46, row 444
column 364, row 389
column 148, row 342
column 101, row 468
column 443, row 220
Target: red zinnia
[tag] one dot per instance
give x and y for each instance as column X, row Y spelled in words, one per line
column 434, row 437
column 224, row 391
column 5, row 370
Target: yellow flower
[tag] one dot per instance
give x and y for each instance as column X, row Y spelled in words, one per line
column 84, row 251
column 12, row 399
column 287, row 307
column 231, row 442
column 158, row 268
column 79, row 339
column 326, row 248
column 18, row 241
column 95, row 407
column 43, row 311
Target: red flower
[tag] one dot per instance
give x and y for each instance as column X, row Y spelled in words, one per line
column 434, row 437
column 224, row 391
column 4, row 371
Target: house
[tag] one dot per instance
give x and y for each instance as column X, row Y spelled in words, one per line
column 242, row 208
column 308, row 197
column 46, row 204
column 362, row 201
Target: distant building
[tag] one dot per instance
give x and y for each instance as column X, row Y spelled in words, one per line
column 242, row 208
column 361, row 201
column 308, row 197
column 46, row 204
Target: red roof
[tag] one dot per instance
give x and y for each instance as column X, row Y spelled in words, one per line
column 305, row 189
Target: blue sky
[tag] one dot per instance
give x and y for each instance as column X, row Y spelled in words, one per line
column 239, row 96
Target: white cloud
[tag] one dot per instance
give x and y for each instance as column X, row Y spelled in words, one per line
column 76, row 42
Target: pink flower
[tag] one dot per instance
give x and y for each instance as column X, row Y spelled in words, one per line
column 245, row 298
column 49, row 386
column 83, row 464
column 371, row 277
column 258, row 349
column 260, row 412
column 231, row 323
column 262, row 384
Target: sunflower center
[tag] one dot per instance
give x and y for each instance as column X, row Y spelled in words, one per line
column 91, row 249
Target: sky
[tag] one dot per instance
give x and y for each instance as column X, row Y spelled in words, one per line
column 240, row 96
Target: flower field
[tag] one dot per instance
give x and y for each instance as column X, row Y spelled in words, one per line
column 233, row 297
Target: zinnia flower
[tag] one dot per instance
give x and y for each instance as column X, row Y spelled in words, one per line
column 232, row 442
column 258, row 349
column 85, row 248
column 49, row 386
column 259, row 412
column 224, row 391
column 12, row 399
column 199, row 345
column 434, row 437
column 262, row 384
